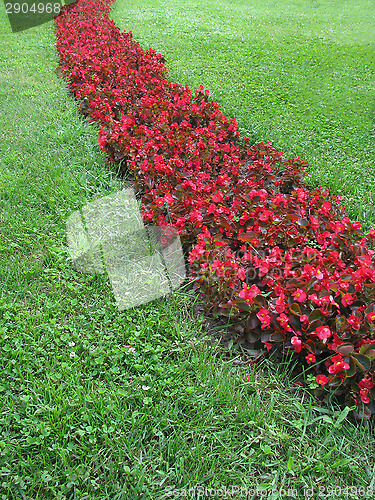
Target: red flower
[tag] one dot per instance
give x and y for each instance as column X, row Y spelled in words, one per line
column 241, row 273
column 322, row 380
column 264, row 317
column 310, row 358
column 325, row 208
column 249, row 294
column 338, row 365
column 102, row 139
column 180, row 222
column 365, row 341
column 323, row 332
column 195, row 215
column 218, row 267
column 211, row 209
column 280, row 305
column 296, row 343
column 220, row 243
column 284, row 322
column 366, row 383
column 264, row 216
column 264, row 268
column 354, row 322
column 319, row 274
column 371, row 317
column 169, row 233
column 268, row 346
column 364, row 396
column 347, row 299
column 168, row 199
column 299, row 295
column 218, row 197
column 304, row 319
column 335, row 343
column 314, row 223
column 244, row 218
column 314, row 298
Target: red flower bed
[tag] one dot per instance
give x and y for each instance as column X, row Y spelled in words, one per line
column 285, row 263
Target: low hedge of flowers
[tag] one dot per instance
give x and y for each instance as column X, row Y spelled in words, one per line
column 284, row 262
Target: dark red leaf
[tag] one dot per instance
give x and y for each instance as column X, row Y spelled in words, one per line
column 345, row 349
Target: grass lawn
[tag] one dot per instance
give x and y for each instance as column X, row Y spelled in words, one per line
column 82, row 415
column 299, row 73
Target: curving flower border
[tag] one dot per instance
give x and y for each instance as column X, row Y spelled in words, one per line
column 285, row 263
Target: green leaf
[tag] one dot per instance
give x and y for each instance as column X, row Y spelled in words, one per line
column 361, row 361
column 370, row 354
column 265, row 336
column 314, row 315
column 294, row 322
column 352, row 370
column 252, row 337
column 252, row 321
column 263, row 486
column 33, row 440
column 303, row 222
column 277, row 337
column 370, row 308
column 242, row 305
column 310, row 344
column 266, row 449
column 295, row 309
column 260, row 300
column 335, row 382
column 340, row 322
column 342, row 416
column 326, row 418
column 364, row 348
column 314, row 325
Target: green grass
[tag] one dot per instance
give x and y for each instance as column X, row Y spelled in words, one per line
column 109, row 423
column 299, row 73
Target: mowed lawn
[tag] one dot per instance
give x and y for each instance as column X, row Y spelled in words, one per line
column 298, row 73
column 82, row 415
